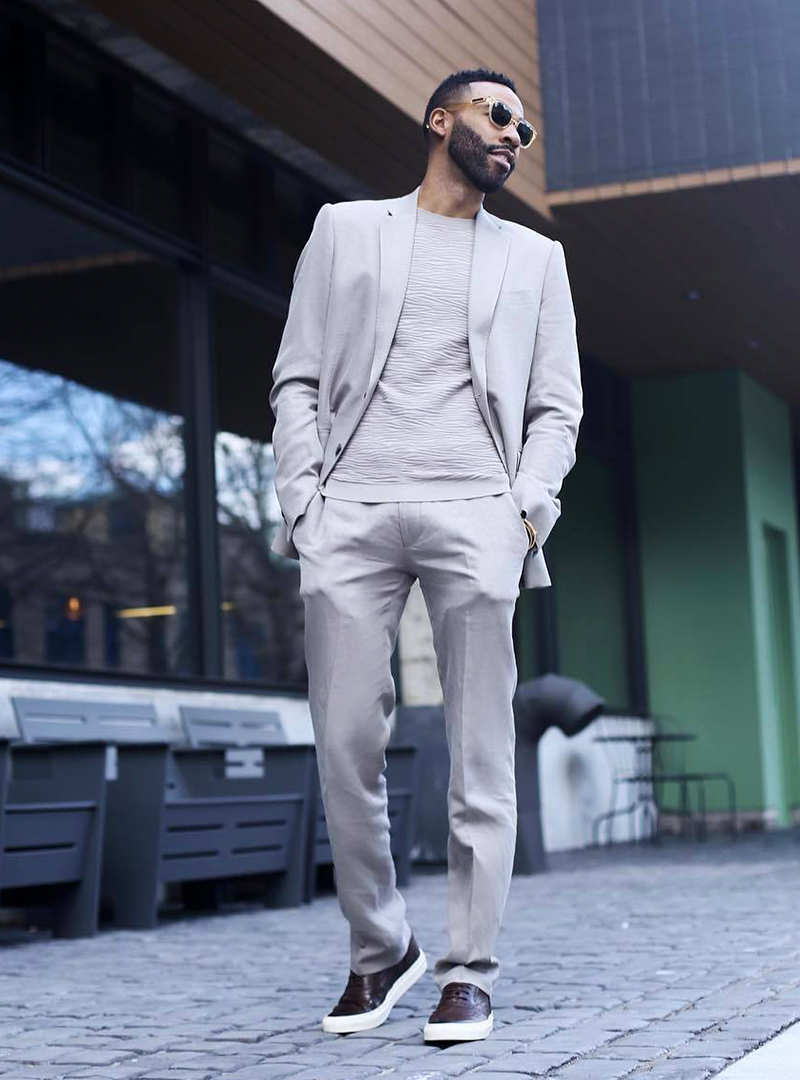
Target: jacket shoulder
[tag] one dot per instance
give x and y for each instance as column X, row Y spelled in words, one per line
column 350, row 210
column 526, row 235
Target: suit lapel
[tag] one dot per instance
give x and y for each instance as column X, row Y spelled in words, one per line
column 396, row 247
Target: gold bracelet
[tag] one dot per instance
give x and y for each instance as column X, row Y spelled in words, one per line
column 533, row 546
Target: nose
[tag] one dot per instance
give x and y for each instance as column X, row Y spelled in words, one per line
column 511, row 137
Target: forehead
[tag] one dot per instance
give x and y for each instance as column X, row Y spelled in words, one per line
column 498, row 90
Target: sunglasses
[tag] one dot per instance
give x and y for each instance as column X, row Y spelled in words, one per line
column 501, row 116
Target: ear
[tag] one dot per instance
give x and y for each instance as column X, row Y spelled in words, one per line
column 437, row 121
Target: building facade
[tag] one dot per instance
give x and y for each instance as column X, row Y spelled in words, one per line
column 161, row 165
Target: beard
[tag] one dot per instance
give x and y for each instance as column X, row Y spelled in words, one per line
column 471, row 154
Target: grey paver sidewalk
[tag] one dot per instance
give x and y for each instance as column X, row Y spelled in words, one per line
column 662, row 963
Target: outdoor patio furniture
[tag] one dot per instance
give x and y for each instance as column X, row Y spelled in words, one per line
column 646, row 774
column 243, row 733
column 51, row 831
column 173, row 815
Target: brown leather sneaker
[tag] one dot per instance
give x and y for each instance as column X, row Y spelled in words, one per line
column 464, row 1012
column 368, row 999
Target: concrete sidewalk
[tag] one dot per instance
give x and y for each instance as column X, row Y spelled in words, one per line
column 667, row 963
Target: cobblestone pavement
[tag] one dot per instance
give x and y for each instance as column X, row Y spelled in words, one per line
column 661, row 962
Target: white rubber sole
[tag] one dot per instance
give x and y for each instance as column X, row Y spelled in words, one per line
column 343, row 1025
column 459, row 1030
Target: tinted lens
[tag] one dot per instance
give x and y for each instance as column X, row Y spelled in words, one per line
column 501, row 114
column 525, row 132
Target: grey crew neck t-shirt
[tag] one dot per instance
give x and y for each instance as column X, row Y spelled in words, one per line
column 422, row 435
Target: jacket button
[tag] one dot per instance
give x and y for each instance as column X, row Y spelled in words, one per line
column 523, row 513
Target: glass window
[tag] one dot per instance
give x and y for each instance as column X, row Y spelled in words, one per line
column 6, row 86
column 157, row 155
column 231, row 193
column 92, row 536
column 290, row 227
column 262, row 608
column 78, row 120
column 6, row 625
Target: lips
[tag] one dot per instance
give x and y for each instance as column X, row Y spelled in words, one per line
column 504, row 155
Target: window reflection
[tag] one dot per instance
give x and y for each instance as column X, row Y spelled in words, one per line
column 231, row 202
column 262, row 609
column 92, row 537
column 78, row 119
column 157, row 148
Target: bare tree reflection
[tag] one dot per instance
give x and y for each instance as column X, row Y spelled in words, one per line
column 92, row 501
column 93, row 506
column 263, row 608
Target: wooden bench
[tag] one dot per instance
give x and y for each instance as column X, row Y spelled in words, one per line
column 51, row 831
column 176, row 814
column 246, row 733
column 243, row 733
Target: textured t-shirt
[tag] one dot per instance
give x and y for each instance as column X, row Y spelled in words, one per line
column 422, row 435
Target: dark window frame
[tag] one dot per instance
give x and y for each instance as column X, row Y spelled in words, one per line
column 198, row 274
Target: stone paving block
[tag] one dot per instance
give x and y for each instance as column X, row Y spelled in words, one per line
column 419, row 1073
column 222, row 1064
column 660, row 1041
column 529, row 1062
column 180, row 1074
column 488, row 1073
column 626, row 1053
column 267, row 1071
column 686, row 1069
column 488, row 1048
column 38, row 1073
column 337, row 1072
column 300, row 1058
column 94, row 1057
column 596, row 1069
column 453, row 1064
column 34, row 1055
column 577, row 1040
column 726, row 1047
column 110, row 1072
column 236, row 1035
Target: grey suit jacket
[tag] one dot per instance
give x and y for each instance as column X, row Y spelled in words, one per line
column 349, row 285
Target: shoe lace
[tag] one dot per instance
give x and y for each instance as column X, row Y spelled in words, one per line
column 459, row 991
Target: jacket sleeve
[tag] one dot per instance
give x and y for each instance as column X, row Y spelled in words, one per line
column 553, row 405
column 296, row 374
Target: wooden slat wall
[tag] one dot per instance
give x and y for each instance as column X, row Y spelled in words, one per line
column 350, row 78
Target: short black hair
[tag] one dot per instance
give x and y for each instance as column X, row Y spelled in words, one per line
column 451, row 89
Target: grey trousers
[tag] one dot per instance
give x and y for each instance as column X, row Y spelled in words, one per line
column 358, row 561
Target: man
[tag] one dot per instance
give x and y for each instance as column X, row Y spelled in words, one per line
column 427, row 398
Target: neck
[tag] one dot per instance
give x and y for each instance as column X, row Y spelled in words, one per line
column 445, row 193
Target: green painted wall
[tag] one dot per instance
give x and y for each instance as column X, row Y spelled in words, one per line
column 696, row 571
column 775, row 589
column 584, row 555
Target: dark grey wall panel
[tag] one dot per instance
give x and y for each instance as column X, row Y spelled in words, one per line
column 639, row 88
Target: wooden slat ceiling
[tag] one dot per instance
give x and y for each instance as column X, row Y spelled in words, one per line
column 351, row 79
column 632, row 260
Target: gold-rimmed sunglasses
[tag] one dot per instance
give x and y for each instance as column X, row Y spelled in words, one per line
column 501, row 116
